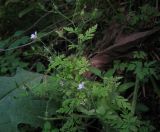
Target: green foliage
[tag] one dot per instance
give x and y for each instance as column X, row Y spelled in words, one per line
column 69, row 71
column 89, row 34
column 63, row 99
column 143, row 70
column 17, row 39
column 48, row 128
column 17, row 103
column 10, row 60
column 9, row 63
column 94, row 99
column 145, row 15
column 48, row 88
column 82, row 37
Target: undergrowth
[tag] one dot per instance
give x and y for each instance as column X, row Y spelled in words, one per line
column 56, row 39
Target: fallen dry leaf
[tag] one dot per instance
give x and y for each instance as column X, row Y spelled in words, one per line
column 121, row 45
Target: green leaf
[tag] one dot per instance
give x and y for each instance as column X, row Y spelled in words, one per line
column 69, row 29
column 125, row 86
column 110, row 73
column 87, row 112
column 122, row 66
column 89, row 34
column 40, row 67
column 122, row 102
column 16, row 106
column 131, row 67
column 19, row 42
column 95, row 71
column 2, row 44
column 47, row 126
column 101, row 110
column 18, row 33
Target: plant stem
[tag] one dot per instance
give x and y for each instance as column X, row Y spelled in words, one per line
column 62, row 117
column 135, row 94
column 61, row 14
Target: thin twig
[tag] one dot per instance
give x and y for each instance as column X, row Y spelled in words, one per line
column 21, row 46
column 62, row 117
column 3, row 50
column 46, row 14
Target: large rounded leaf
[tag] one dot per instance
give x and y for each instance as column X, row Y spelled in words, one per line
column 16, row 106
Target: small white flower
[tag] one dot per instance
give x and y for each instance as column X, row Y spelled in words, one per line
column 34, row 35
column 62, row 83
column 81, row 86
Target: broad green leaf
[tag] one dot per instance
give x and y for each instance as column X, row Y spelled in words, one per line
column 19, row 42
column 3, row 43
column 18, row 33
column 40, row 67
column 47, row 126
column 17, row 106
